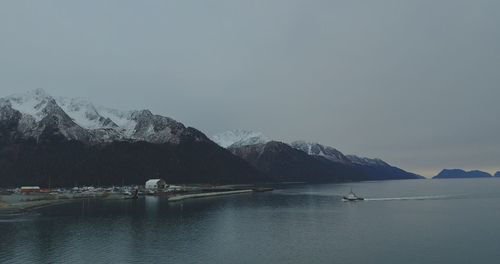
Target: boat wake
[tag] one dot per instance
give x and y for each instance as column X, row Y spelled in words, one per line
column 402, row 198
column 431, row 197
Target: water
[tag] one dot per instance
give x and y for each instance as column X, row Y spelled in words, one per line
column 426, row 221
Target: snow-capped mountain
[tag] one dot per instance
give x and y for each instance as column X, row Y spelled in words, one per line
column 333, row 154
column 320, row 150
column 36, row 114
column 239, row 138
column 32, row 104
column 79, row 119
column 69, row 142
column 367, row 161
column 305, row 161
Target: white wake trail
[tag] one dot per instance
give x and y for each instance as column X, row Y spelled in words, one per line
column 431, row 197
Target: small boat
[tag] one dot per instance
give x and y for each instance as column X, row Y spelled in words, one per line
column 352, row 197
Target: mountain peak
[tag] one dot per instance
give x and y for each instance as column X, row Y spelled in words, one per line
column 239, row 137
column 31, row 103
column 78, row 118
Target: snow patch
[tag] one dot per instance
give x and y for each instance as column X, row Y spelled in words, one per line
column 320, row 150
column 239, row 138
column 367, row 161
column 32, row 103
column 82, row 112
column 122, row 119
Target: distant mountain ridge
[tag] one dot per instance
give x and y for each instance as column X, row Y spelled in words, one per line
column 458, row 173
column 320, row 150
column 372, row 169
column 280, row 162
column 321, row 162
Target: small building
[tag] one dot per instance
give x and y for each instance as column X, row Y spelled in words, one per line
column 155, row 184
column 30, row 189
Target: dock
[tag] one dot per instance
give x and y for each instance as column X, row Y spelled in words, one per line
column 205, row 194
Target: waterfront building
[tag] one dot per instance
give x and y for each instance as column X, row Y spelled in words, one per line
column 156, row 184
column 30, row 189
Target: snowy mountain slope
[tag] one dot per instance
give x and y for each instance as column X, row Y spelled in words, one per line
column 375, row 168
column 155, row 128
column 84, row 113
column 32, row 103
column 237, row 138
column 123, row 119
column 247, row 144
column 320, row 150
column 304, row 161
column 39, row 115
column 282, row 162
column 367, row 161
column 79, row 119
column 381, row 170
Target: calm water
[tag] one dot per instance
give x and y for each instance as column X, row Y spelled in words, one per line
column 426, row 221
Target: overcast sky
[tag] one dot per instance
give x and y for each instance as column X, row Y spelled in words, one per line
column 416, row 83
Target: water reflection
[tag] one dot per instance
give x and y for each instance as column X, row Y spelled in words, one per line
column 152, row 204
column 306, row 224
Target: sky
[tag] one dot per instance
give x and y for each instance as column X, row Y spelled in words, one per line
column 416, row 83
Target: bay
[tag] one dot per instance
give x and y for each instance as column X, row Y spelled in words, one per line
column 411, row 221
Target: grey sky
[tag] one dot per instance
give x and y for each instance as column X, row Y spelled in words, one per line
column 416, row 83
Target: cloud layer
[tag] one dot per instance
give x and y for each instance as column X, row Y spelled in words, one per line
column 413, row 82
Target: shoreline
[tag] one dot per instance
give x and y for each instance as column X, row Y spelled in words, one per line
column 26, row 207
column 18, row 208
column 23, row 207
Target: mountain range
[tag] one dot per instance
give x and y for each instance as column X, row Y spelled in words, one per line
column 56, row 141
column 67, row 142
column 304, row 161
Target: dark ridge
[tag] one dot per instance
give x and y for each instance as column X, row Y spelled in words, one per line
column 72, row 163
column 460, row 174
column 281, row 162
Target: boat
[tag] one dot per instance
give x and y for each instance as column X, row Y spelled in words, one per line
column 352, row 197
